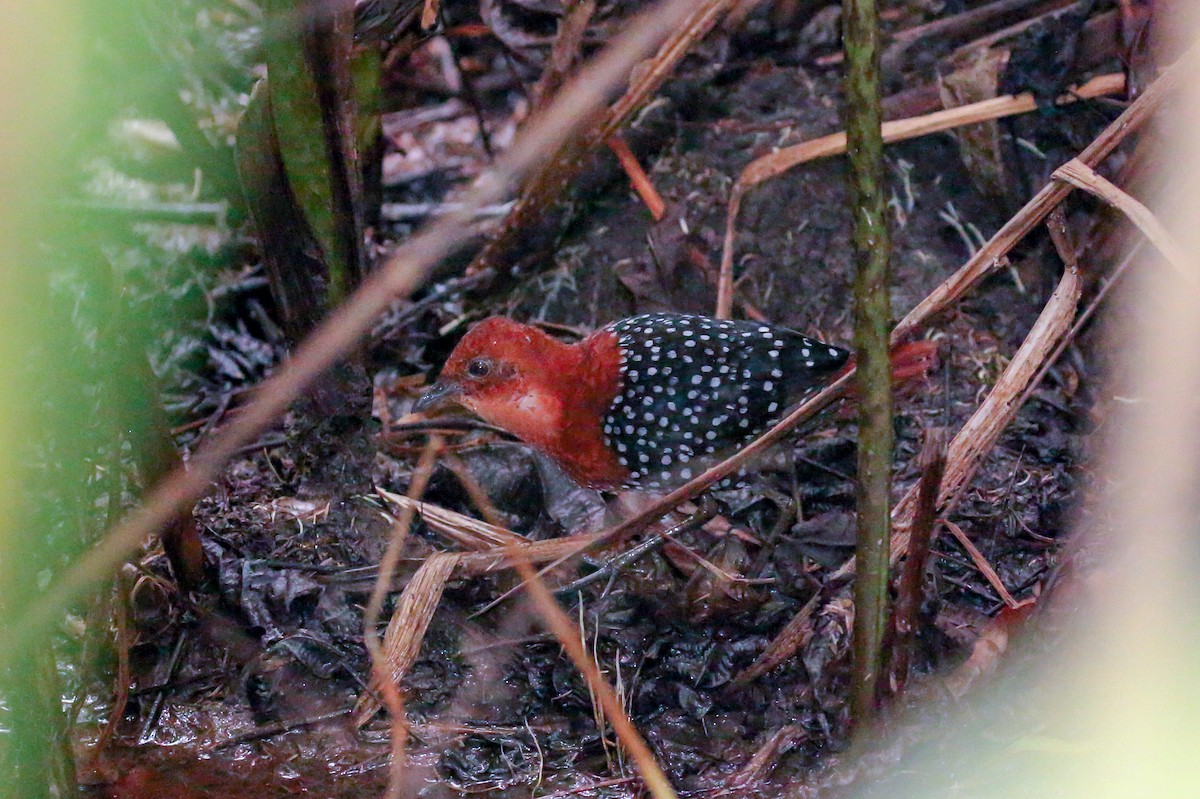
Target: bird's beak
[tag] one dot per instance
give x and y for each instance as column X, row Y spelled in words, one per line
column 438, row 394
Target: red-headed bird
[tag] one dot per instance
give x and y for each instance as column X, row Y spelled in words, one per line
column 646, row 402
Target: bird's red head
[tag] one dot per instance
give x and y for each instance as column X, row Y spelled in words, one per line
column 545, row 392
column 496, row 364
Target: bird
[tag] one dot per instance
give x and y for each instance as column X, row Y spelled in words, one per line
column 646, row 402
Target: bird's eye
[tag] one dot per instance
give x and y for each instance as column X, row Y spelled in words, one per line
column 479, row 367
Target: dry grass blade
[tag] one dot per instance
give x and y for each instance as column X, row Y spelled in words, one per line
column 651, row 75
column 554, row 551
column 493, row 548
column 403, row 273
column 406, row 630
column 776, row 163
column 985, row 568
column 421, row 596
column 987, row 651
column 380, row 677
column 1082, row 176
column 467, row 532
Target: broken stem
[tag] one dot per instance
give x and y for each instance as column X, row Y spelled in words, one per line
column 908, row 595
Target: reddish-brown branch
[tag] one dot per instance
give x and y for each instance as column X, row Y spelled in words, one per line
column 637, row 177
column 912, row 577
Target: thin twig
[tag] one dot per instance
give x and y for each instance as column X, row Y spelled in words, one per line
column 637, row 176
column 981, row 563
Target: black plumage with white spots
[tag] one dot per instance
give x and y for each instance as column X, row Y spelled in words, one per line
column 694, row 388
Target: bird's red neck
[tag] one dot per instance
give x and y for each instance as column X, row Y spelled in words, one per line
column 581, row 448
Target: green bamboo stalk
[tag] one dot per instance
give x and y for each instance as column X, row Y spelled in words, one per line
column 872, row 318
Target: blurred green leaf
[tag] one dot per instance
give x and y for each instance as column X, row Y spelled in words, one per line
column 308, row 49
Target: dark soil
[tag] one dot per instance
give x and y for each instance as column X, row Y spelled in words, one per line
column 497, row 707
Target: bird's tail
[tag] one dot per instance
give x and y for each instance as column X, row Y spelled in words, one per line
column 912, row 362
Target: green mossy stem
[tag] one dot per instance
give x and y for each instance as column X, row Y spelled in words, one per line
column 872, row 315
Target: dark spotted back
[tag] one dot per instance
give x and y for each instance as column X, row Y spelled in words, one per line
column 694, row 388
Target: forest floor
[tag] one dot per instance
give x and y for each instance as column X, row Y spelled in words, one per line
column 247, row 690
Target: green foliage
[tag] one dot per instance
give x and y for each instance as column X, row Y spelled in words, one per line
column 308, row 57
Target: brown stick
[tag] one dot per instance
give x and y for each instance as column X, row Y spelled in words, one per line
column 912, row 577
column 981, row 563
column 637, row 176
